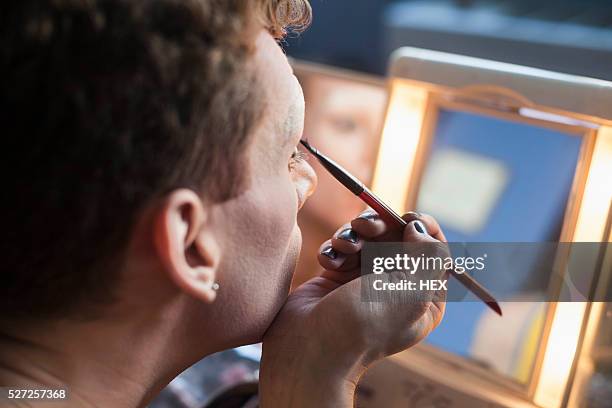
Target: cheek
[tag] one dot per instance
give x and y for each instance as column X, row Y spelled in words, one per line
column 275, row 204
column 260, row 252
column 259, row 224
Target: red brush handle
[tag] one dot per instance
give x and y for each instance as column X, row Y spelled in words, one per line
column 385, row 212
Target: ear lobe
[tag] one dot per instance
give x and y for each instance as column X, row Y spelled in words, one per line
column 187, row 250
column 206, row 249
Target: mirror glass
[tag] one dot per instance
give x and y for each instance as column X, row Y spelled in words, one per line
column 496, row 179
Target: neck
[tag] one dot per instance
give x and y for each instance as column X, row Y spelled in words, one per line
column 108, row 362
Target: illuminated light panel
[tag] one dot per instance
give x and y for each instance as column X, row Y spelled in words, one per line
column 567, row 322
column 598, row 192
column 399, row 141
column 560, row 351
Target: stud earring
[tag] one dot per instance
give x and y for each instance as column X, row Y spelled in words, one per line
column 215, row 286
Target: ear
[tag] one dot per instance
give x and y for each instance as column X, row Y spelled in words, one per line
column 186, row 248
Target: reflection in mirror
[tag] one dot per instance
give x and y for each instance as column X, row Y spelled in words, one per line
column 344, row 112
column 485, row 180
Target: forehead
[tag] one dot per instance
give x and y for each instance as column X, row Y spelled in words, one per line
column 285, row 101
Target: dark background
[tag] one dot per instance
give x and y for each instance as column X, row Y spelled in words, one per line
column 572, row 36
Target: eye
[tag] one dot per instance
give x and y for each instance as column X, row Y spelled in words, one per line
column 295, row 158
column 344, row 124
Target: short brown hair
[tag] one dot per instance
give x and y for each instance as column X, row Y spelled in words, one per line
column 107, row 105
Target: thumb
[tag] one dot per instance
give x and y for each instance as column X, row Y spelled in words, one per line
column 416, row 231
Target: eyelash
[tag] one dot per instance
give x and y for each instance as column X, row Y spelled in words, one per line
column 296, row 157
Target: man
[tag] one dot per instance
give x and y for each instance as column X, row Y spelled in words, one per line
column 151, row 205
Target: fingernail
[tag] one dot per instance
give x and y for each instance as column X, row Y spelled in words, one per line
column 370, row 215
column 330, row 253
column 420, row 227
column 348, row 235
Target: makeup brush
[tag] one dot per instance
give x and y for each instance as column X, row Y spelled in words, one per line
column 392, row 218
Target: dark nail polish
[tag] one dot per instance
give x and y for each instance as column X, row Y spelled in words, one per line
column 370, row 215
column 420, row 227
column 330, row 253
column 348, row 235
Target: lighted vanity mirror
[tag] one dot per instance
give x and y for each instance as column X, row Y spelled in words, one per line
column 500, row 154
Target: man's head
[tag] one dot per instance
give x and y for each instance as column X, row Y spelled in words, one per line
column 149, row 145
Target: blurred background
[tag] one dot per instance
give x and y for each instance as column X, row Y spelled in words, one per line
column 572, row 36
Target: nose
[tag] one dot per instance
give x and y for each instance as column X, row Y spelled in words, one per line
column 305, row 180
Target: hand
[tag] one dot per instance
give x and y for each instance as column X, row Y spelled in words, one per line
column 326, row 335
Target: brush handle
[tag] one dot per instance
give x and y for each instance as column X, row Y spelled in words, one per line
column 394, row 219
column 386, row 213
column 391, row 217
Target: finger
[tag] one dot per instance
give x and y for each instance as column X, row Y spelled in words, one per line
column 340, row 277
column 337, row 261
column 438, row 306
column 328, row 257
column 346, row 240
column 416, row 231
column 432, row 226
column 419, row 242
column 440, row 295
column 351, row 262
column 412, row 215
column 369, row 224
